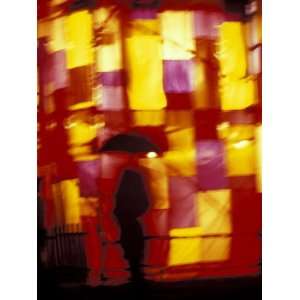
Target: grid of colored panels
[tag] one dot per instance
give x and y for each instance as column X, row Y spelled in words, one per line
column 189, row 80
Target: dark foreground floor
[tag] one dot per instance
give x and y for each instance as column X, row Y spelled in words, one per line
column 227, row 288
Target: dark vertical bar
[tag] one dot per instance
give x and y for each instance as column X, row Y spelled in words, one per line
column 82, row 243
column 56, row 244
column 69, row 244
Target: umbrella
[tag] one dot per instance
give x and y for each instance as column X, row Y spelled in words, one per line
column 130, row 142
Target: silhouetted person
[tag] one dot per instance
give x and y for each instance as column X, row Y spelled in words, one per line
column 131, row 203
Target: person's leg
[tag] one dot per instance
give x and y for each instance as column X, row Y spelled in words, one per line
column 132, row 241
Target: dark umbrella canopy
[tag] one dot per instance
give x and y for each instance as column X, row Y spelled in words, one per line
column 130, row 142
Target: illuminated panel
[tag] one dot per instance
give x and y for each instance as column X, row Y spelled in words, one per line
column 258, row 158
column 211, row 170
column 178, row 76
column 157, row 182
column 214, row 217
column 207, row 23
column 185, row 247
column 201, row 99
column 71, row 200
column 254, row 61
column 79, row 38
column 112, row 90
column 181, row 163
column 109, row 57
column 58, row 34
column 201, row 23
column 80, row 132
column 177, row 30
column 214, row 208
column 235, row 133
column 59, row 70
column 88, row 174
column 216, row 249
column 183, row 204
column 181, row 139
column 112, row 98
column 240, row 158
column 237, row 93
column 112, row 78
column 237, row 117
column 156, row 250
column 143, row 52
column 253, row 31
column 45, row 75
column 148, row 118
column 108, row 51
column 232, row 50
column 112, row 164
column 43, row 29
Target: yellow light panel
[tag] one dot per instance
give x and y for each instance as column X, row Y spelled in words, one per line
column 148, row 118
column 80, row 132
column 71, row 200
column 181, row 139
column 232, row 50
column 109, row 57
column 157, row 180
column 214, row 211
column 201, row 98
column 181, row 163
column 237, row 94
column 235, row 133
column 78, row 151
column 58, row 34
column 140, row 27
column 177, row 30
column 79, row 39
column 43, row 29
column 216, row 249
column 107, row 19
column 145, row 72
column 240, row 157
column 109, row 53
column 186, row 247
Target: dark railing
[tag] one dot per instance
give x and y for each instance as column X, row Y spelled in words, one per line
column 65, row 245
